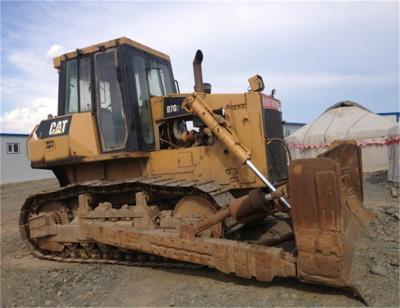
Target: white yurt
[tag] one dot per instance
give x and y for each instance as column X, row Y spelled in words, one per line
column 394, row 154
column 345, row 121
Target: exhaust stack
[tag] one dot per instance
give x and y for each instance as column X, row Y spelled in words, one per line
column 198, row 74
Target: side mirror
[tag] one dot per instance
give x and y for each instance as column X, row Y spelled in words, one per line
column 256, row 83
column 207, row 87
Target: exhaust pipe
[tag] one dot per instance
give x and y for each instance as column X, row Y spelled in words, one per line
column 198, row 74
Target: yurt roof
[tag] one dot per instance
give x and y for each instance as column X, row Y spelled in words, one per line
column 347, row 104
column 344, row 120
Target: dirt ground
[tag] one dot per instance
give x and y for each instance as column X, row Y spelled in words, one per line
column 27, row 281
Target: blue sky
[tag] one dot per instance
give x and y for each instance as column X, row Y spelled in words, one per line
column 313, row 53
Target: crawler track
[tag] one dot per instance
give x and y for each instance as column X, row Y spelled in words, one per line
column 109, row 254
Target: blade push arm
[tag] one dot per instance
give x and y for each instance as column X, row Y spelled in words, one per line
column 194, row 103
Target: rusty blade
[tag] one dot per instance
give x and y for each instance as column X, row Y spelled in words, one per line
column 328, row 215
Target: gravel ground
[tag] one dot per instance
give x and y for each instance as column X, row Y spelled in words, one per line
column 376, row 264
column 27, row 281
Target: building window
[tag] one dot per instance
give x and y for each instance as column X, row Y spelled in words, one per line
column 287, row 132
column 12, row 148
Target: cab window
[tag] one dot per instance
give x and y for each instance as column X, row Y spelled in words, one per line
column 166, row 78
column 71, row 91
column 78, row 97
column 160, row 82
column 152, row 78
column 85, row 89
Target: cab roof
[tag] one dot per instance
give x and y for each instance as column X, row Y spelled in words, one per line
column 105, row 45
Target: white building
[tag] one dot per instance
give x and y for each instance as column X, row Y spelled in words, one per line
column 290, row 127
column 394, row 117
column 15, row 166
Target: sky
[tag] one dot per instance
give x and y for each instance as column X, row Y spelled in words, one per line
column 314, row 54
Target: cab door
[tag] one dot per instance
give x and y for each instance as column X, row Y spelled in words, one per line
column 110, row 108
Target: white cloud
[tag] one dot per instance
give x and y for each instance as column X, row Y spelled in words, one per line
column 29, row 96
column 24, row 119
column 297, row 81
column 32, row 64
column 54, row 51
column 326, row 80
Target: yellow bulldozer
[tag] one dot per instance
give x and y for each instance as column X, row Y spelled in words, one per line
column 153, row 177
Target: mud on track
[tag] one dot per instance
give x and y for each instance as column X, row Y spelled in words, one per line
column 27, row 281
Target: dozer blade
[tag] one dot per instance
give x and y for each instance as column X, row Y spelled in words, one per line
column 328, row 216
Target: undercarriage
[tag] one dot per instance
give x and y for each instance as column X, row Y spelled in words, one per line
column 68, row 224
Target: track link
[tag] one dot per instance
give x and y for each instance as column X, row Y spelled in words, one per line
column 151, row 262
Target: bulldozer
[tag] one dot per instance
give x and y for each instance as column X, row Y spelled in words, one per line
column 150, row 176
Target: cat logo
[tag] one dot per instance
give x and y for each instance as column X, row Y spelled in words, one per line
column 58, row 127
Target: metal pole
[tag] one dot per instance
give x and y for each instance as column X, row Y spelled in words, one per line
column 268, row 183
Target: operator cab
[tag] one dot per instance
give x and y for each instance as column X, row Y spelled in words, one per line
column 114, row 81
